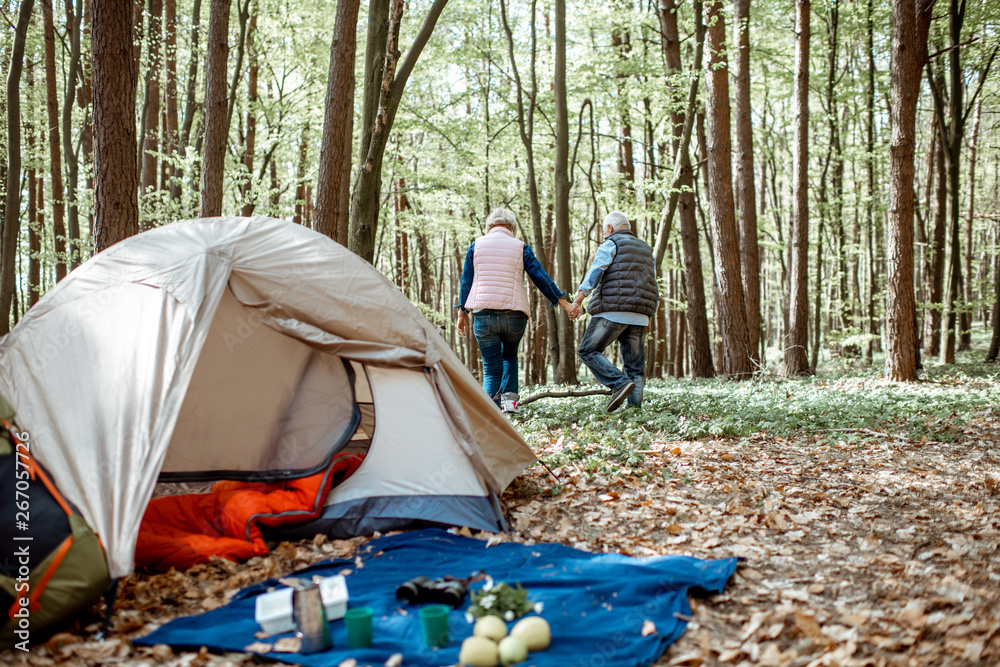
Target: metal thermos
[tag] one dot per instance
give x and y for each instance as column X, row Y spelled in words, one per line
column 310, row 620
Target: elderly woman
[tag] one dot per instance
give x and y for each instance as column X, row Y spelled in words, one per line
column 493, row 290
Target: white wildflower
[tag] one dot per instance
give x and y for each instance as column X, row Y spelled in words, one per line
column 508, row 615
column 488, row 586
column 469, row 618
column 487, row 601
column 539, row 606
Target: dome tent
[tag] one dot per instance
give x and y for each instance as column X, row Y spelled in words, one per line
column 251, row 349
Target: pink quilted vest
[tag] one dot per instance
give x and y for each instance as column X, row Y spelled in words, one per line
column 498, row 281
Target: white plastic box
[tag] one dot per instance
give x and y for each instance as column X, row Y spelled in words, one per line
column 273, row 611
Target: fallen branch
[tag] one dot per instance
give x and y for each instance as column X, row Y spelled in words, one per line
column 564, row 394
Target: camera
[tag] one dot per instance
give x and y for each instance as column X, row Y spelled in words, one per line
column 420, row 590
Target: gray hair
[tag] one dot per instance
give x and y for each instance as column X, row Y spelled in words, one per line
column 617, row 220
column 501, row 217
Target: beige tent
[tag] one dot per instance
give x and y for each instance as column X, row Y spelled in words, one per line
column 257, row 349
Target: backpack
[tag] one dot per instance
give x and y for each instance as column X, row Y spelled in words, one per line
column 52, row 565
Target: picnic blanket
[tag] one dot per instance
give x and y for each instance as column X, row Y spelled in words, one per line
column 596, row 604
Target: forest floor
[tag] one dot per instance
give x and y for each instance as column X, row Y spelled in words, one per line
column 875, row 544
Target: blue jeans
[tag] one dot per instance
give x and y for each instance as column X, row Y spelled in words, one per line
column 631, row 338
column 498, row 333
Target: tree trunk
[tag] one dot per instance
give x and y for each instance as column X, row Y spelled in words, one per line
column 935, row 294
column 381, row 101
column 732, row 310
column 910, row 23
column 697, row 313
column 52, row 105
column 171, row 136
column 565, row 364
column 115, row 71
column 333, row 186
column 72, row 159
column 300, row 176
column 149, row 171
column 216, row 110
column 12, row 201
column 190, row 97
column 796, row 361
column 621, row 42
column 746, row 203
column 251, row 137
column 966, row 340
column 526, row 130
column 34, row 228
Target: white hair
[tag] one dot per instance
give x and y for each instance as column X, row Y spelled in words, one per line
column 617, row 221
column 501, row 217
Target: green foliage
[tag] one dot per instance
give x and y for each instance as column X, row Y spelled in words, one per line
column 853, row 410
column 498, row 599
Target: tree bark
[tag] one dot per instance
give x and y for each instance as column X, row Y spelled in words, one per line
column 333, row 186
column 796, row 361
column 149, row 172
column 694, row 281
column 732, row 309
column 115, row 71
column 55, row 156
column 910, row 24
column 546, row 327
column 72, row 158
column 216, row 110
column 935, row 295
column 381, row 101
column 251, row 136
column 565, row 364
column 966, row 340
column 12, row 200
column 171, row 136
column 746, row 203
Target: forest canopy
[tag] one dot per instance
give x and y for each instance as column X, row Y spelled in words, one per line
column 763, row 140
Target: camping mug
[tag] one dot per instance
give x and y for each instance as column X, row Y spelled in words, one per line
column 310, row 620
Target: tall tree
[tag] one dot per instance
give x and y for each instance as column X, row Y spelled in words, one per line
column 910, row 23
column 701, row 345
column 796, row 361
column 149, row 138
column 384, row 86
column 171, row 136
column 12, row 201
column 333, row 186
column 526, row 130
column 191, row 90
column 115, row 72
column 73, row 19
column 565, row 364
column 953, row 133
column 731, row 307
column 55, row 151
column 216, row 110
column 746, row 202
column 249, row 143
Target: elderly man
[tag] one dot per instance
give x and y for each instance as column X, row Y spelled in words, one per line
column 624, row 295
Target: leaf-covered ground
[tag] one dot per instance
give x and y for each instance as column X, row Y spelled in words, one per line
column 868, row 514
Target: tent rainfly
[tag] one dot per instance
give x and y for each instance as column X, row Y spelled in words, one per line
column 256, row 350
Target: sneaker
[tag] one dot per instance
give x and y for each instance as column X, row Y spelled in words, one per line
column 618, row 396
column 508, row 402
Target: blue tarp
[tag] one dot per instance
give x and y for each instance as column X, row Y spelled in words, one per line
column 595, row 603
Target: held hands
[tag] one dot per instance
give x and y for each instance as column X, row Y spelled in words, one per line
column 573, row 310
column 462, row 322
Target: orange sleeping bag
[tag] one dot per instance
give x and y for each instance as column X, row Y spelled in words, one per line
column 180, row 531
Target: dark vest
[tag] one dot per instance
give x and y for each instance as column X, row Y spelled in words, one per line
column 629, row 283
